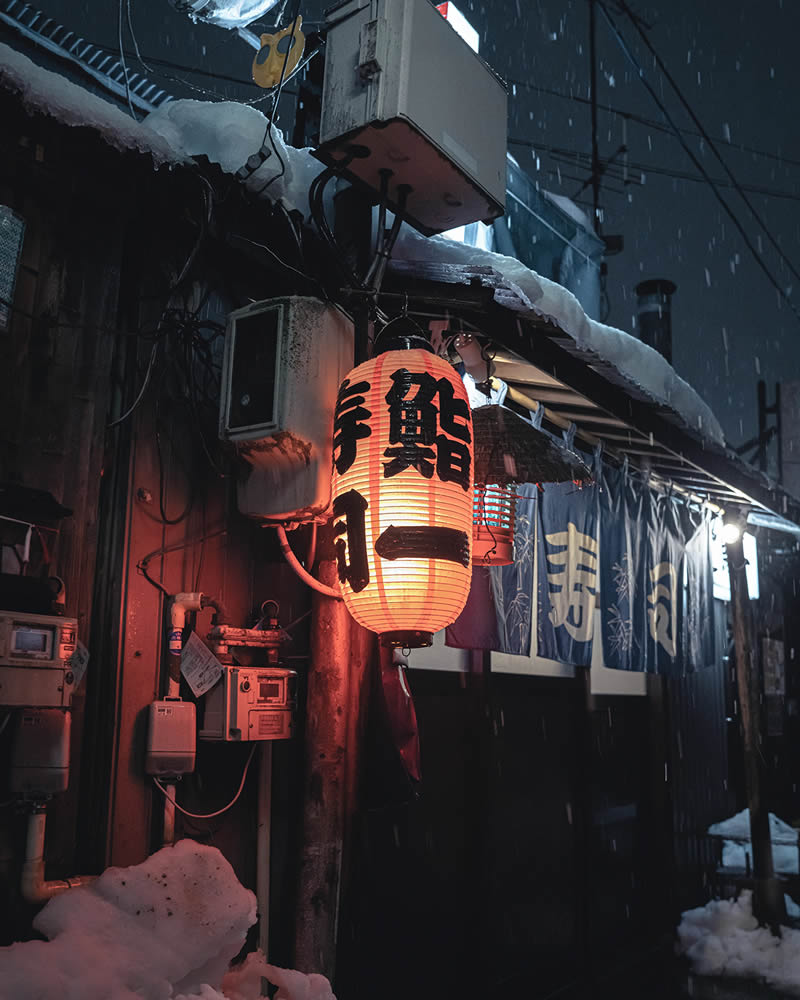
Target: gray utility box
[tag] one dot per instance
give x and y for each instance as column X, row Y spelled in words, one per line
column 404, row 89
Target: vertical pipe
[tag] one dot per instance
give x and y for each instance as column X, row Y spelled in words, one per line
column 768, row 902
column 327, row 711
column 168, row 837
column 263, row 844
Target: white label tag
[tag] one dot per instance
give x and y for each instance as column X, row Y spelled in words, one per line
column 199, row 666
column 78, row 663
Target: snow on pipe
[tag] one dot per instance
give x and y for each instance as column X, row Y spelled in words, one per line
column 296, row 565
column 33, row 886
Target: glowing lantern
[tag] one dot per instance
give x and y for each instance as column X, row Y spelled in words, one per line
column 403, row 492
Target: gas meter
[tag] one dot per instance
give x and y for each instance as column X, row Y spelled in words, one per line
column 255, row 699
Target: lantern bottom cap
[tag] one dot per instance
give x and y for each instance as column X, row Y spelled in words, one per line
column 406, row 639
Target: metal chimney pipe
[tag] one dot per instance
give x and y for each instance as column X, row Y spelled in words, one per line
column 655, row 317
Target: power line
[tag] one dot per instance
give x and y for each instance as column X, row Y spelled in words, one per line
column 690, row 111
column 729, row 211
column 574, row 156
column 651, row 122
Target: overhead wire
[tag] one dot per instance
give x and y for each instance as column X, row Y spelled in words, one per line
column 617, row 172
column 651, row 122
column 707, row 138
column 697, row 163
column 262, row 155
column 122, row 60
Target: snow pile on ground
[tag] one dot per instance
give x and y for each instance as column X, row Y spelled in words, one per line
column 736, row 831
column 167, row 928
column 723, row 938
column 52, row 94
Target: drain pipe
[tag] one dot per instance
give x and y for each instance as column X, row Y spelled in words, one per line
column 180, row 605
column 34, row 888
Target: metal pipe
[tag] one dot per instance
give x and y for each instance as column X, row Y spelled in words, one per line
column 33, row 886
column 168, row 837
column 296, row 565
column 263, row 844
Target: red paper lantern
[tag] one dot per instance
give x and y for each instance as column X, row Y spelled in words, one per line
column 403, row 493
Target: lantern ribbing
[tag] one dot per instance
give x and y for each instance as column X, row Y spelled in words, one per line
column 403, row 463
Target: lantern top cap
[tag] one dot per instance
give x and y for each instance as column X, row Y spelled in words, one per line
column 401, row 334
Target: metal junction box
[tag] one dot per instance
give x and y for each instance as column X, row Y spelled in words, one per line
column 35, row 654
column 284, row 361
column 251, row 703
column 410, row 96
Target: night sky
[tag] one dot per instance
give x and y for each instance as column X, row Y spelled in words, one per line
column 735, row 62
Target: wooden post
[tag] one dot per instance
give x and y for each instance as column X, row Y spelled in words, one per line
column 325, row 774
column 768, row 902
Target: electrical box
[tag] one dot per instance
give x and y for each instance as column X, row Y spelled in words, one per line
column 404, row 93
column 35, row 654
column 40, row 758
column 284, row 361
column 171, row 738
column 251, row 703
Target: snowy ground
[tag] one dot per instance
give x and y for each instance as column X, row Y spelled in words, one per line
column 167, row 928
column 723, row 939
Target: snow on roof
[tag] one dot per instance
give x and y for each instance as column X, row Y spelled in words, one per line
column 228, row 133
column 528, row 292
column 52, row 94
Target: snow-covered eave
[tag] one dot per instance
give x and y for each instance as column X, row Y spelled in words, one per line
column 43, row 92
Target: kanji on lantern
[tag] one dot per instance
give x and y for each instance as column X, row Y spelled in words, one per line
column 349, row 423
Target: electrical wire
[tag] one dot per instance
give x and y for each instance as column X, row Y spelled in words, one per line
column 218, row 812
column 248, row 169
column 697, row 163
column 650, row 122
column 279, row 260
column 124, row 63
column 140, row 396
column 707, row 138
column 574, row 157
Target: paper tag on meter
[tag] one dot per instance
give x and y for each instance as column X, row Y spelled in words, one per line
column 199, row 666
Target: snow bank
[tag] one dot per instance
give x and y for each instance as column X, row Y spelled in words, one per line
column 738, row 828
column 54, row 95
column 167, row 928
column 723, row 938
column 736, row 831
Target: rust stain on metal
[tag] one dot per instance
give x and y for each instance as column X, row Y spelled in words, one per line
column 284, row 442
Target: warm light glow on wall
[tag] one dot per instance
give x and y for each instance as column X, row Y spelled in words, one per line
column 403, row 495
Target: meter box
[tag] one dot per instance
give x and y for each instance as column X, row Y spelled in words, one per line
column 40, row 758
column 171, row 738
column 35, row 655
column 284, row 362
column 251, row 703
column 404, row 93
